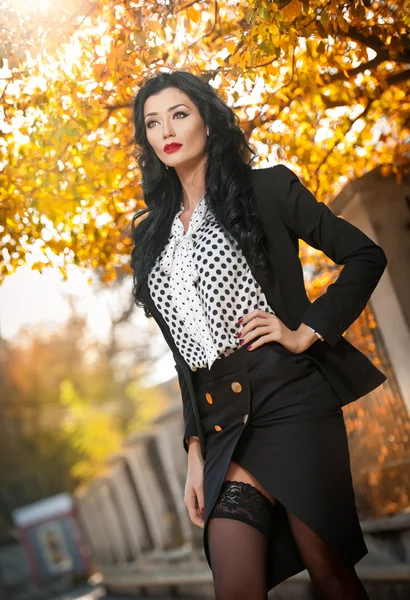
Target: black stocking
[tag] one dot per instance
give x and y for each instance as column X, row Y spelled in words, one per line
column 332, row 579
column 237, row 537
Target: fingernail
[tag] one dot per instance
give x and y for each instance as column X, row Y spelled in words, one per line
column 240, row 320
column 202, row 511
column 249, row 348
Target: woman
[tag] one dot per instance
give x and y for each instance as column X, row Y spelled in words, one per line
column 264, row 372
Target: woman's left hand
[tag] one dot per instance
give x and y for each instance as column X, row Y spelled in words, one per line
column 265, row 327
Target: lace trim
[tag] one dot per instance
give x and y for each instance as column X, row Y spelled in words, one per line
column 243, row 501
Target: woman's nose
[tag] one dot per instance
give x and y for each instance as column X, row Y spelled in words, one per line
column 167, row 130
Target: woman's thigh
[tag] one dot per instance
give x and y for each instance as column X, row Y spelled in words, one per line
column 237, row 473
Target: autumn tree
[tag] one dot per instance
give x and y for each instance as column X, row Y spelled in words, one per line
column 319, row 84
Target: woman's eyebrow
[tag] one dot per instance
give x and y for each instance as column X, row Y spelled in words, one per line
column 168, row 109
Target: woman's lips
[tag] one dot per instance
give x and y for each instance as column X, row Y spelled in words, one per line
column 173, row 148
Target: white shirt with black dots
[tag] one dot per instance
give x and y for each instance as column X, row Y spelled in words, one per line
column 201, row 284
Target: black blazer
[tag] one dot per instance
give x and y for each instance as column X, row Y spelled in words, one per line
column 288, row 212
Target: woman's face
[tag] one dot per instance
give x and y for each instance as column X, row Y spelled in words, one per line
column 176, row 120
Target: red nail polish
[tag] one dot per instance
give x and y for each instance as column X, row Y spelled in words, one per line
column 241, row 341
column 202, row 511
column 249, row 348
column 240, row 320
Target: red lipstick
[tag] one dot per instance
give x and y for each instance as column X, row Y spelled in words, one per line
column 172, row 147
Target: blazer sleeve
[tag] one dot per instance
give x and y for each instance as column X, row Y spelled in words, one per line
column 190, row 428
column 364, row 261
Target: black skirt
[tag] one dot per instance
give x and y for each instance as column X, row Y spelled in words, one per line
column 274, row 413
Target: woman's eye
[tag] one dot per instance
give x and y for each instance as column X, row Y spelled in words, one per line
column 180, row 112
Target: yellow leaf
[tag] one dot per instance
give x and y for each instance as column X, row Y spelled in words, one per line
column 172, row 24
column 194, row 14
column 157, row 29
column 276, row 40
column 343, row 24
column 292, row 10
column 231, row 46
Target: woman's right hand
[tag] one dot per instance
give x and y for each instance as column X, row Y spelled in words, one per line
column 194, row 487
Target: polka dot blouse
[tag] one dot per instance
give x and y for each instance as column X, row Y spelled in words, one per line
column 201, row 284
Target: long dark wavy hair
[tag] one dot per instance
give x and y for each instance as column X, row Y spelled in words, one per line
column 228, row 185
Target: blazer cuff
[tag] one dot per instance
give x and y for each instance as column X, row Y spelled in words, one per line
column 189, row 432
column 186, row 441
column 316, row 320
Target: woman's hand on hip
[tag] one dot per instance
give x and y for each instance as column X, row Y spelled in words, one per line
column 261, row 327
column 194, row 488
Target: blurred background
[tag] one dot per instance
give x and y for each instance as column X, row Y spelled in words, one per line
column 92, row 468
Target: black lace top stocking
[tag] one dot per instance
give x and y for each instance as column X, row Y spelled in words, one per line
column 243, row 501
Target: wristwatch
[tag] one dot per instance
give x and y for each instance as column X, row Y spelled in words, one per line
column 318, row 334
